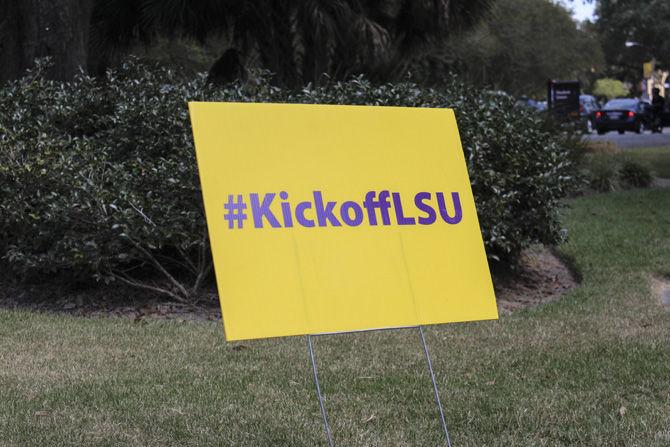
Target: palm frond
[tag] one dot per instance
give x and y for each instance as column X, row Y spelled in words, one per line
column 299, row 40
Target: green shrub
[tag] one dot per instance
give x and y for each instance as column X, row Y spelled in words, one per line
column 98, row 177
column 635, row 175
column 101, row 180
column 605, row 172
column 602, row 172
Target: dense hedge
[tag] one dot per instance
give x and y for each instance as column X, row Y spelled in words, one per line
column 98, row 177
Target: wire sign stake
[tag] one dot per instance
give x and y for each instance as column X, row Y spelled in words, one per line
column 432, row 377
column 324, row 415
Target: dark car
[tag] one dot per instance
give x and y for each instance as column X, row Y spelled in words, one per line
column 588, row 106
column 622, row 114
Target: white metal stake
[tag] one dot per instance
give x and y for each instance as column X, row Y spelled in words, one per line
column 318, row 392
column 432, row 377
column 324, row 415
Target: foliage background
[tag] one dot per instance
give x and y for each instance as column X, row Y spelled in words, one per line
column 99, row 179
column 644, row 24
column 520, row 44
column 610, row 88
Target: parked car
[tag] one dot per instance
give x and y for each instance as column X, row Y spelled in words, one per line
column 529, row 103
column 588, row 106
column 622, row 114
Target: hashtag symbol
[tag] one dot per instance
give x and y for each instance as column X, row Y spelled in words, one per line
column 235, row 211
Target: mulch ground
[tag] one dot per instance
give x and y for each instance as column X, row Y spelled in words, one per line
column 104, row 301
column 541, row 277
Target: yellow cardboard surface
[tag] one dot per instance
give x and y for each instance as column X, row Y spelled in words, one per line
column 294, row 278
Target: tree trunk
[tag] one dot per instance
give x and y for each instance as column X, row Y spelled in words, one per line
column 31, row 29
column 10, row 47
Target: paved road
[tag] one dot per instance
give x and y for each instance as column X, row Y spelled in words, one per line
column 630, row 140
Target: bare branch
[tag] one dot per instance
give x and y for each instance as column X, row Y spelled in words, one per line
column 188, row 263
column 201, row 277
column 147, row 219
column 126, row 280
column 179, row 286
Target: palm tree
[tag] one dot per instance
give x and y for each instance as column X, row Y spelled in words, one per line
column 298, row 40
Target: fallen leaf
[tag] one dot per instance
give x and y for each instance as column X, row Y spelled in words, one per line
column 622, row 411
column 370, row 419
column 41, row 413
column 491, row 383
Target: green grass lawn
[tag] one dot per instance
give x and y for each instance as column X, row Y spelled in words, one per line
column 592, row 369
column 656, row 158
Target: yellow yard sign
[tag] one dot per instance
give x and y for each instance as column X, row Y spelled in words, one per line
column 339, row 218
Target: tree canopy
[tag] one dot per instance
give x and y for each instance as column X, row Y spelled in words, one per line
column 632, row 32
column 610, row 88
column 523, row 43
